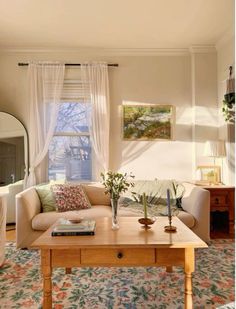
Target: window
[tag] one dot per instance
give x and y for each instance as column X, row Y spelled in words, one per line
column 70, row 148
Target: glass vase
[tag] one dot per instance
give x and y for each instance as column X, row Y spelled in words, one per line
column 114, row 207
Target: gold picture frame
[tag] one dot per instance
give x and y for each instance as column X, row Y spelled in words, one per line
column 209, row 174
column 142, row 122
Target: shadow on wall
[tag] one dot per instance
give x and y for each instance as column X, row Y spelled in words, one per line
column 133, row 150
column 124, row 152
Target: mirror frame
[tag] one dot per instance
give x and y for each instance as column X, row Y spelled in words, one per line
column 26, row 143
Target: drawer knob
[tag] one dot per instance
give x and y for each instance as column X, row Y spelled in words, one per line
column 120, row 255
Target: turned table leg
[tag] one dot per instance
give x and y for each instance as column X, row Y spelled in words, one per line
column 169, row 269
column 188, row 269
column 68, row 270
column 188, row 291
column 47, row 282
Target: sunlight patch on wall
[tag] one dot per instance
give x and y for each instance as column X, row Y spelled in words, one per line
column 184, row 115
column 162, row 160
column 206, row 116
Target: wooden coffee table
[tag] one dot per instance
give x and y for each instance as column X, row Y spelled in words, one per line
column 131, row 245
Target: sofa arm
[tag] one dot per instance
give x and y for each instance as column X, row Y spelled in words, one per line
column 27, row 207
column 197, row 203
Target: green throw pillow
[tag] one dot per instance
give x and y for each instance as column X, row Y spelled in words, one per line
column 46, row 197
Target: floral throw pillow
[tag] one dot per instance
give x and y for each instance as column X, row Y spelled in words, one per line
column 70, row 197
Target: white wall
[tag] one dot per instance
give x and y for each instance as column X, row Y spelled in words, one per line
column 161, row 80
column 141, row 79
column 204, row 99
column 225, row 59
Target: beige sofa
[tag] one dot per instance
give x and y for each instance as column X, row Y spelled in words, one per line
column 31, row 222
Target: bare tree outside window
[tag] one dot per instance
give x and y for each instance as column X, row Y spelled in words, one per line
column 70, row 148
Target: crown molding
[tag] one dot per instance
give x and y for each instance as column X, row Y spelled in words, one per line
column 202, row 49
column 148, row 51
column 194, row 49
column 102, row 51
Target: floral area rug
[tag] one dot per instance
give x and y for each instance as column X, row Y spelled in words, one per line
column 122, row 288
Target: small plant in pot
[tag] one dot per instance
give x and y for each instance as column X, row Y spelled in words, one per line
column 115, row 184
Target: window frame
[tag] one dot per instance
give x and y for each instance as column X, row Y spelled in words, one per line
column 73, row 134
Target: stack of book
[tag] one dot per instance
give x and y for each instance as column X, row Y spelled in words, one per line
column 69, row 228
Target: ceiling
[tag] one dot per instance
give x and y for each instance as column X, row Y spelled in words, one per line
column 114, row 23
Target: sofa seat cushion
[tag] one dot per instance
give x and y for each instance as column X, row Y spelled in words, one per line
column 42, row 221
column 184, row 216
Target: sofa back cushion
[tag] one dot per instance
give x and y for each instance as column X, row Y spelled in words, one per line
column 156, row 192
column 96, row 194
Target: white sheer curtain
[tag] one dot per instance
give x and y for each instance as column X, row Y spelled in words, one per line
column 95, row 80
column 45, row 80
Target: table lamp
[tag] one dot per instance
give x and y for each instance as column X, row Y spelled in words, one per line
column 215, row 149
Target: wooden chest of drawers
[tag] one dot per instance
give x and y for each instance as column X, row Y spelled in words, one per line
column 222, row 199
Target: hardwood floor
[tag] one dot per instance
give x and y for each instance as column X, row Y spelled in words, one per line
column 11, row 235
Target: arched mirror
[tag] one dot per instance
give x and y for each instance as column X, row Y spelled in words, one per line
column 13, row 149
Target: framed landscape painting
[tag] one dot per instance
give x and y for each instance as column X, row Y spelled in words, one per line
column 148, row 122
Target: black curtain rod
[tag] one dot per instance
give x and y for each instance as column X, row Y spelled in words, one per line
column 22, row 64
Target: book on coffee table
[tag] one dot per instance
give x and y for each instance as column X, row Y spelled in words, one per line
column 71, row 228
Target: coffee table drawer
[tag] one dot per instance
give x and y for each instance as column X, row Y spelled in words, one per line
column 117, row 256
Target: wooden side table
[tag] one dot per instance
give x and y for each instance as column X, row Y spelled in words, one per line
column 222, row 199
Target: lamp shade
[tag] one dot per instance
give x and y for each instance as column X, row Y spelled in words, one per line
column 215, row 149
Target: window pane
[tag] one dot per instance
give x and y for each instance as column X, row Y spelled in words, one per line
column 70, row 158
column 73, row 117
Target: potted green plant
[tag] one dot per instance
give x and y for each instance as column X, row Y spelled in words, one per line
column 115, row 184
column 228, row 107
